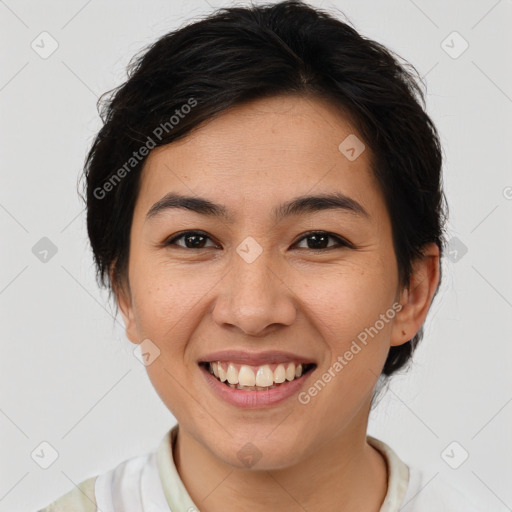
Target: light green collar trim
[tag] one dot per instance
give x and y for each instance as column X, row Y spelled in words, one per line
column 398, row 476
column 174, row 490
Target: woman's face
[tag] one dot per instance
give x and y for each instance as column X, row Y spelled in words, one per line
column 252, row 282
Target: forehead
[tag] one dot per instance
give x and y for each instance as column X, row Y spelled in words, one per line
column 264, row 150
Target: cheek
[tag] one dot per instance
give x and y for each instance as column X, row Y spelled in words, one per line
column 350, row 297
column 165, row 305
column 165, row 299
column 352, row 311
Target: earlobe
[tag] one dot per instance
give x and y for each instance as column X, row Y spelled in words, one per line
column 124, row 303
column 129, row 319
column 417, row 298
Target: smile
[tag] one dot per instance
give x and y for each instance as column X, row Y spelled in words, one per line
column 253, row 396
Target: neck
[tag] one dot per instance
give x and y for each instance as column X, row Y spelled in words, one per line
column 353, row 479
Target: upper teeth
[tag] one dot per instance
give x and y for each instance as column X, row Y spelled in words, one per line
column 261, row 376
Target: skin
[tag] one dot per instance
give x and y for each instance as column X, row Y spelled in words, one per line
column 190, row 301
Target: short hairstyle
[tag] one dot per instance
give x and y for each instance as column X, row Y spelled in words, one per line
column 239, row 54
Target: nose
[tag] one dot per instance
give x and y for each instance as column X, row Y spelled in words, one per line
column 254, row 297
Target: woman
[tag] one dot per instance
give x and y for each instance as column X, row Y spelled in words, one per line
column 265, row 205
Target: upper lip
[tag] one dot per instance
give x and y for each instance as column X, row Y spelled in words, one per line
column 253, row 358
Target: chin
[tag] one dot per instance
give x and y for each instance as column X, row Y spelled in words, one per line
column 259, row 452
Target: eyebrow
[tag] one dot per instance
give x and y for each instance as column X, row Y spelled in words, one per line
column 297, row 206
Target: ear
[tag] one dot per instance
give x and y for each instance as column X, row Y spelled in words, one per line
column 417, row 298
column 124, row 301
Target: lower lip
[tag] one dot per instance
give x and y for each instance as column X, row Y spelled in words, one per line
column 254, row 399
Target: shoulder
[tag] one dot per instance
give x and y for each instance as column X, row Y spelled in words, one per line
column 130, row 483
column 433, row 491
column 411, row 489
column 134, row 484
column 80, row 499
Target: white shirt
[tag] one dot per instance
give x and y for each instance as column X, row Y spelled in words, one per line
column 151, row 483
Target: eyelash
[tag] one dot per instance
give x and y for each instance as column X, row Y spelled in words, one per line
column 341, row 241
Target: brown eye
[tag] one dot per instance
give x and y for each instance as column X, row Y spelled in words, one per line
column 316, row 241
column 320, row 240
column 192, row 240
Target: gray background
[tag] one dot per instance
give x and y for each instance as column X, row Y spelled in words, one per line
column 69, row 376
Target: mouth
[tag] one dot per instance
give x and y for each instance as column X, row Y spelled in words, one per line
column 257, row 378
